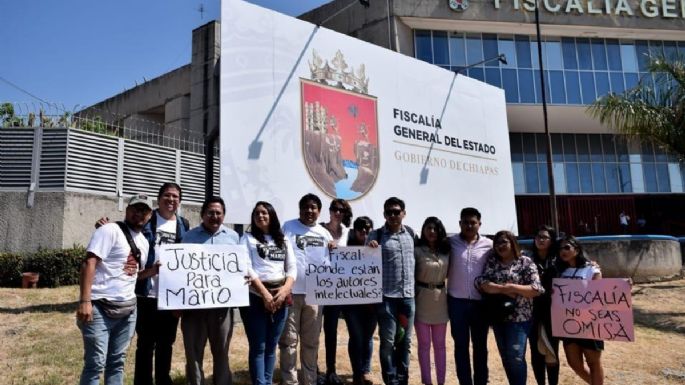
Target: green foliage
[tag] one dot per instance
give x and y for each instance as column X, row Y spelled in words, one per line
column 96, row 125
column 654, row 109
column 7, row 116
column 11, row 267
column 56, row 267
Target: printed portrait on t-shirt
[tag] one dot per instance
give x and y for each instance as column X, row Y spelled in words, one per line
column 303, row 241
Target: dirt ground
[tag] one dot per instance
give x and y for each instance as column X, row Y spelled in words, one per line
column 40, row 343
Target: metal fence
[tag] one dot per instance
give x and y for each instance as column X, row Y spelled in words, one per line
column 70, row 159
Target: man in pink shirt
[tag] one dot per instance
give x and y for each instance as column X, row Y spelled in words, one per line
column 467, row 316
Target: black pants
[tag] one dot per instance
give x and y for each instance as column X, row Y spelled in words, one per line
column 540, row 368
column 156, row 330
column 331, row 315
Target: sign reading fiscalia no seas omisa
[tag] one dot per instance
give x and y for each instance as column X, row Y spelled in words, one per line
column 308, row 110
column 597, row 309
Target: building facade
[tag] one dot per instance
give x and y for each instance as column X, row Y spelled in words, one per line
column 589, row 48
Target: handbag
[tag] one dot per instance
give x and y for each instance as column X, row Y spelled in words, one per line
column 498, row 307
column 117, row 309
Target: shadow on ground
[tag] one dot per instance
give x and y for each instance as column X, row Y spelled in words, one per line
column 66, row 307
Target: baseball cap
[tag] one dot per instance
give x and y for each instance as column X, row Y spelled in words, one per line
column 140, row 198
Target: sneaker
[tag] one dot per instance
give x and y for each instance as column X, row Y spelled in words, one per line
column 333, row 379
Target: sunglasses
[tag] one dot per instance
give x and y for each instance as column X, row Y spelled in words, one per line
column 393, row 213
column 337, row 209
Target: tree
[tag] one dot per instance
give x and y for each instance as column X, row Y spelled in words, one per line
column 7, row 116
column 654, row 109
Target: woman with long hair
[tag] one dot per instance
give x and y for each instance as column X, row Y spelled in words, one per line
column 509, row 273
column 432, row 254
column 544, row 254
column 573, row 264
column 273, row 271
column 360, row 319
column 338, row 226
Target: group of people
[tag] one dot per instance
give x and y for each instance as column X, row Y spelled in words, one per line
column 429, row 280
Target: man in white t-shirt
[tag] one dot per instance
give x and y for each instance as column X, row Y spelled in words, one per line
column 106, row 314
column 303, row 324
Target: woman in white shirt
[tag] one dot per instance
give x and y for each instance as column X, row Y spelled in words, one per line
column 273, row 270
column 574, row 265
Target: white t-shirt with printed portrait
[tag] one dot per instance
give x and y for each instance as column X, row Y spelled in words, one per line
column 165, row 235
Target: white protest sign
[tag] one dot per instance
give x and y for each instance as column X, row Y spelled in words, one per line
column 196, row 276
column 354, row 275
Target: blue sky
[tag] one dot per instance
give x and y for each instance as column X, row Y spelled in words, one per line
column 79, row 52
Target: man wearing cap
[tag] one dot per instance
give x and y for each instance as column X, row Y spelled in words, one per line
column 215, row 324
column 107, row 306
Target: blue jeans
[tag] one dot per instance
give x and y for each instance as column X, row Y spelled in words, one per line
column 263, row 330
column 511, row 340
column 105, row 341
column 468, row 322
column 395, row 338
column 361, row 323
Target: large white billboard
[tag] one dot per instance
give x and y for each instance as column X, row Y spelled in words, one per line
column 308, row 110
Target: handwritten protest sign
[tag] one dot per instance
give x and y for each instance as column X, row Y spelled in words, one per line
column 202, row 276
column 599, row 309
column 352, row 276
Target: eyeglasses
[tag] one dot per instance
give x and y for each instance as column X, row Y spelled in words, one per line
column 215, row 214
column 393, row 213
column 364, row 229
column 567, row 247
column 542, row 237
column 337, row 209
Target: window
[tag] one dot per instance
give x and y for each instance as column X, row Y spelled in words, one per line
column 440, row 48
column 424, row 48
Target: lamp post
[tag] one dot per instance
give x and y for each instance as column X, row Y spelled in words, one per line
column 501, row 58
column 548, row 137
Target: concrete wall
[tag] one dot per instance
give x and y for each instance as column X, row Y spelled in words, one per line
column 643, row 260
column 59, row 219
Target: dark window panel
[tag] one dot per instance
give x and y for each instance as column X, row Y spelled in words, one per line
column 424, row 47
column 663, row 178
column 585, row 173
column 622, row 148
column 538, row 87
column 542, row 147
column 569, row 141
column 523, row 51
column 477, row 73
column 608, row 146
column 660, row 154
column 614, row 54
column 526, row 86
column 529, row 148
column 557, row 148
column 587, row 87
column 649, row 172
column 599, row 55
column 556, row 79
column 616, row 79
column 544, row 182
column 631, row 80
column 572, row 178
column 655, row 48
column 532, row 180
column 647, row 151
column 602, row 83
column 584, row 54
column 611, row 172
column 642, row 50
column 441, row 53
column 595, row 148
column 572, row 87
column 516, row 147
column 493, row 77
column 599, row 183
column 624, row 178
column 568, row 47
column 510, row 85
column 490, row 49
column 583, row 148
